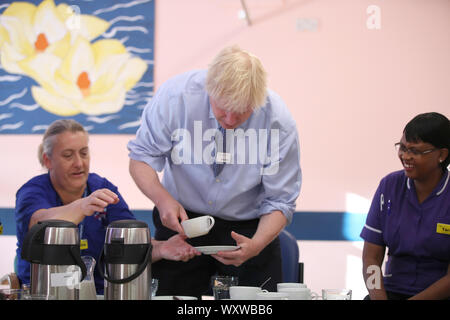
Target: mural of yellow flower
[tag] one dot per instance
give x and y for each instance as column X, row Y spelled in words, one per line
column 28, row 31
column 91, row 78
column 80, row 59
column 52, row 45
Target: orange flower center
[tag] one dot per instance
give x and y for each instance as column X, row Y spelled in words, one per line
column 41, row 42
column 84, row 83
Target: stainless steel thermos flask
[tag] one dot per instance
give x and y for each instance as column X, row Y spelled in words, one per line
column 53, row 249
column 125, row 262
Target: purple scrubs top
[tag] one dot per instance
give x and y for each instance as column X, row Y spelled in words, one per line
column 417, row 235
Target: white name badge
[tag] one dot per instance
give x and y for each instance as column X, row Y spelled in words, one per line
column 223, row 157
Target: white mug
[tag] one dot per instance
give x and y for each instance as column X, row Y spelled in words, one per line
column 299, row 293
column 244, row 293
column 197, row 226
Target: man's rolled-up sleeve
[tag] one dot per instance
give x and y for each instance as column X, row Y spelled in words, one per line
column 282, row 178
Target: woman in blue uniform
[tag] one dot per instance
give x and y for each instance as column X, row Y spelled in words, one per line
column 70, row 192
column 410, row 215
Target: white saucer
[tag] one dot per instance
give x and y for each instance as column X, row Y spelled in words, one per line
column 215, row 249
column 174, row 298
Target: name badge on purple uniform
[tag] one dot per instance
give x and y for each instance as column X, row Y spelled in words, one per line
column 443, row 228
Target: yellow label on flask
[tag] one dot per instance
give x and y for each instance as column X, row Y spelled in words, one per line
column 83, row 244
column 443, row 228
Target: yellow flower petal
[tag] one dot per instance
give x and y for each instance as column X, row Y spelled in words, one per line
column 41, row 67
column 92, row 26
column 132, row 72
column 110, row 102
column 18, row 35
column 109, row 70
column 52, row 103
column 47, row 21
column 61, row 47
column 8, row 57
column 66, row 88
column 21, row 10
column 64, row 11
column 80, row 58
column 3, row 35
column 17, row 20
column 107, row 47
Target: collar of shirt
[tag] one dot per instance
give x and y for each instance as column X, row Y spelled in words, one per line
column 438, row 190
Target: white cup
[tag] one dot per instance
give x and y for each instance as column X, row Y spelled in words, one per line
column 197, row 226
column 337, row 294
column 244, row 293
column 299, row 293
column 290, row 285
column 272, row 296
column 174, row 298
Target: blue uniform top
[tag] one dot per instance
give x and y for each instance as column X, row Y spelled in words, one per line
column 38, row 193
column 177, row 134
column 417, row 234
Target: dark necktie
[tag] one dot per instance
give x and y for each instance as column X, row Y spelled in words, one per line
column 217, row 167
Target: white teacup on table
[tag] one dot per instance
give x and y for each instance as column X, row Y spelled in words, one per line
column 290, row 285
column 299, row 293
column 336, row 294
column 272, row 296
column 244, row 292
column 174, row 298
column 197, row 227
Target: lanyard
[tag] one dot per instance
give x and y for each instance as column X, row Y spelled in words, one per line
column 81, row 225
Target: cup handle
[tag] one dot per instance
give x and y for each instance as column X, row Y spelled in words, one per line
column 315, row 296
column 264, row 290
column 211, row 222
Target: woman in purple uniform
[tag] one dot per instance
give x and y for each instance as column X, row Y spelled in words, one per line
column 69, row 191
column 410, row 215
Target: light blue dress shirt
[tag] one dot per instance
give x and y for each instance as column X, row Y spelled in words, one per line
column 179, row 134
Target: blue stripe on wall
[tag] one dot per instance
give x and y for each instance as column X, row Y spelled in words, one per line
column 330, row 226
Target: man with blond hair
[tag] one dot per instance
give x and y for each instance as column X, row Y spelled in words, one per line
column 229, row 148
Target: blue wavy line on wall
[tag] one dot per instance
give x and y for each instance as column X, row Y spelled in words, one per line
column 329, row 226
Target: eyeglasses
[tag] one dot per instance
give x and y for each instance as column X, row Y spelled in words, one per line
column 401, row 148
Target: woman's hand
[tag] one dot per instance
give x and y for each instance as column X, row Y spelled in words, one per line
column 97, row 201
column 77, row 210
column 175, row 248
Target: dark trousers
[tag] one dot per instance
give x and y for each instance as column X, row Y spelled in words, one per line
column 194, row 276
